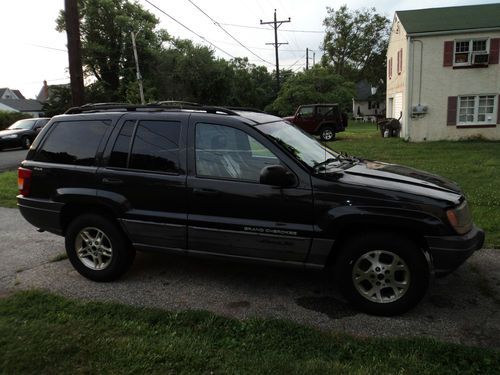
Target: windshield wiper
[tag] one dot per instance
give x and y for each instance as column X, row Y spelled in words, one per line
column 324, row 163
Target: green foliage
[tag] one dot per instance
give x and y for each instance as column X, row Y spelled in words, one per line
column 355, row 43
column 42, row 333
column 8, row 118
column 59, row 100
column 316, row 85
column 107, row 53
column 8, row 189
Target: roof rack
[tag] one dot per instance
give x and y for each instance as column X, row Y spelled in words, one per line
column 159, row 106
column 248, row 109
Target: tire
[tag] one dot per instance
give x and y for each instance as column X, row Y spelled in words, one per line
column 327, row 134
column 25, row 142
column 105, row 251
column 391, row 263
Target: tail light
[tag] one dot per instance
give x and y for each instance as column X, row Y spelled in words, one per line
column 24, row 181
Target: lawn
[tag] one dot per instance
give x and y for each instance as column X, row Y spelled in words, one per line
column 8, row 189
column 43, row 333
column 474, row 165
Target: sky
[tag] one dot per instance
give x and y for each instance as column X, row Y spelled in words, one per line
column 33, row 51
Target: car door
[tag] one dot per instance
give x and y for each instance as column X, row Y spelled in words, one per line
column 306, row 118
column 229, row 211
column 144, row 172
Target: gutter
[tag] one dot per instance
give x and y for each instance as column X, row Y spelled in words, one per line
column 448, row 32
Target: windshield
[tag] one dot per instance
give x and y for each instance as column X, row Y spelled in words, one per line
column 22, row 124
column 303, row 146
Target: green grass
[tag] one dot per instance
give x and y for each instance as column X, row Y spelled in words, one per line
column 474, row 165
column 42, row 333
column 8, row 189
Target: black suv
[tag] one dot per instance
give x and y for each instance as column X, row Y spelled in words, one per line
column 241, row 185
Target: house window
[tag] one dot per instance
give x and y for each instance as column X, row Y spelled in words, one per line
column 477, row 109
column 471, row 52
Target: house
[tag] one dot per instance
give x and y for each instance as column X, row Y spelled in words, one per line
column 367, row 104
column 443, row 72
column 14, row 101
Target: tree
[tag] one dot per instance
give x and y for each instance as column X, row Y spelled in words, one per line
column 355, row 43
column 107, row 54
column 316, row 85
column 58, row 101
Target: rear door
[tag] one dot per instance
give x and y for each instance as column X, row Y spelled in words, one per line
column 230, row 212
column 144, row 172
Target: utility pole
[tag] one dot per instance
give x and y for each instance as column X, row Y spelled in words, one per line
column 139, row 77
column 276, row 45
column 307, row 57
column 74, row 51
column 314, row 58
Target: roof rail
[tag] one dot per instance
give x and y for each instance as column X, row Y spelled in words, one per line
column 160, row 106
column 248, row 109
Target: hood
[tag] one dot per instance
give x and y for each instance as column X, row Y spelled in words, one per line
column 11, row 131
column 399, row 173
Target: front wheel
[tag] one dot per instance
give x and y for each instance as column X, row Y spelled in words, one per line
column 97, row 248
column 25, row 142
column 382, row 274
column 327, row 133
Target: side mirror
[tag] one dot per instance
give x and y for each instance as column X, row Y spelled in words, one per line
column 298, row 115
column 277, row 175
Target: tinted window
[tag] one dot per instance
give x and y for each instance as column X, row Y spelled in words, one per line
column 121, row 148
column 225, row 152
column 306, row 112
column 156, row 146
column 73, row 142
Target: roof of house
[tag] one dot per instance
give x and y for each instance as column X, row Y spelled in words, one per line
column 363, row 91
column 23, row 105
column 18, row 94
column 469, row 17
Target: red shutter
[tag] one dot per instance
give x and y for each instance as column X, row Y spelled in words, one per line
column 401, row 61
column 494, row 50
column 452, row 110
column 448, row 53
column 498, row 110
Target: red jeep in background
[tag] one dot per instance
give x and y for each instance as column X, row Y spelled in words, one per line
column 324, row 120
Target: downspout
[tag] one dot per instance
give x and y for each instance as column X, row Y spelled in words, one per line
column 409, row 89
column 412, row 61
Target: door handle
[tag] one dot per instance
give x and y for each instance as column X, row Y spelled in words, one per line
column 112, row 181
column 205, row 191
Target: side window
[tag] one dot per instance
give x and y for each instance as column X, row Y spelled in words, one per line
column 225, row 152
column 119, row 155
column 306, row 112
column 73, row 142
column 156, row 146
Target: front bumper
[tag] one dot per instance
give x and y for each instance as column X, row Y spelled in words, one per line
column 449, row 252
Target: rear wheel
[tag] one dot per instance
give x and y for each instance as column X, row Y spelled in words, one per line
column 382, row 274
column 97, row 248
column 327, row 133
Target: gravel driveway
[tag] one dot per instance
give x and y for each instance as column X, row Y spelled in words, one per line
column 462, row 308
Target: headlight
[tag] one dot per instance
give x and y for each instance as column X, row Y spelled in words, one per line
column 460, row 218
column 10, row 136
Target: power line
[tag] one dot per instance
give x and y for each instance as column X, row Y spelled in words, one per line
column 45, row 47
column 265, row 28
column 228, row 33
column 187, row 28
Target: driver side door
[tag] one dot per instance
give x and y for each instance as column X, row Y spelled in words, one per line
column 230, row 212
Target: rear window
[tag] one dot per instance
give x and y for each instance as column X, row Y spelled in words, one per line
column 155, row 146
column 73, row 142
